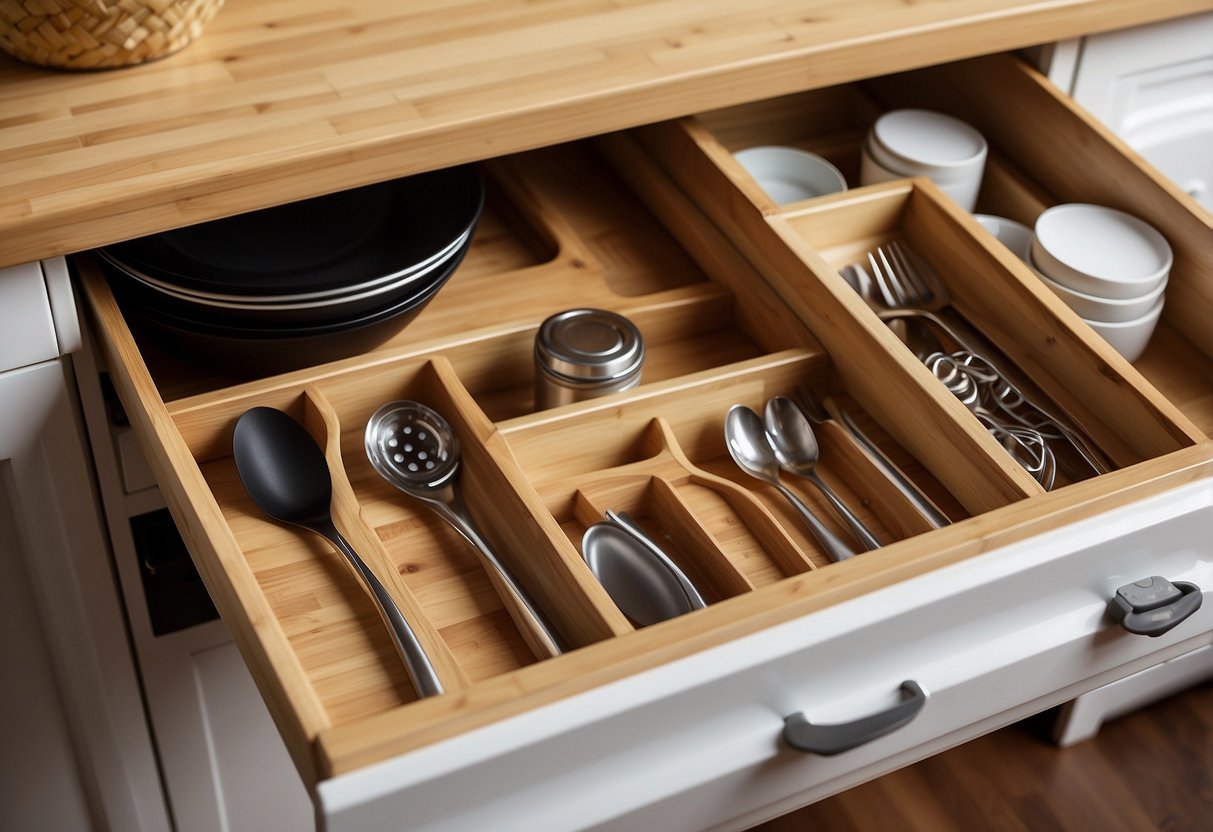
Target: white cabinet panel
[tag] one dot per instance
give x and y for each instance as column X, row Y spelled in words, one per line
column 1153, row 85
column 40, row 786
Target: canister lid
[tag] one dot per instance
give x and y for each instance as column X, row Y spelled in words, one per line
column 589, row 345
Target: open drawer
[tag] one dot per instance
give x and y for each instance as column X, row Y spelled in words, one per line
column 678, row 725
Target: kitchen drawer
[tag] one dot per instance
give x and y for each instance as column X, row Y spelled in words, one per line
column 678, row 725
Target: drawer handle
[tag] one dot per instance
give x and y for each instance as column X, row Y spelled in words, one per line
column 1154, row 605
column 828, row 740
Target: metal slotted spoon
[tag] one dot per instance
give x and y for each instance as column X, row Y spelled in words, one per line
column 414, row 448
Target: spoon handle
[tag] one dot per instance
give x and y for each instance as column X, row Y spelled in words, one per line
column 540, row 636
column 924, row 506
column 832, row 543
column 861, row 531
column 416, row 662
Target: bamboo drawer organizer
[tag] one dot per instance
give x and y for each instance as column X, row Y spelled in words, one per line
column 738, row 300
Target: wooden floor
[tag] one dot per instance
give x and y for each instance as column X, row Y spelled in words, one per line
column 1149, row 771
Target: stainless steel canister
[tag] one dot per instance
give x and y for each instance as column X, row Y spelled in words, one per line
column 585, row 353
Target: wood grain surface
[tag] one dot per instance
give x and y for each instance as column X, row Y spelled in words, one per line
column 284, row 99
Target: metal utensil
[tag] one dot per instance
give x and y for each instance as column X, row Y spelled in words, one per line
column 746, row 439
column 286, row 474
column 795, row 446
column 815, row 410
column 640, row 578
column 625, row 522
column 909, row 287
column 1027, row 445
column 414, row 448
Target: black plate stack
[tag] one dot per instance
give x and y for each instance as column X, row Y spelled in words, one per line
column 302, row 283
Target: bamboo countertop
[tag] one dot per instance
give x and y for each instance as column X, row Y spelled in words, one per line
column 285, row 99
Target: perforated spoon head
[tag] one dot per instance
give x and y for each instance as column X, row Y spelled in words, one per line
column 412, row 446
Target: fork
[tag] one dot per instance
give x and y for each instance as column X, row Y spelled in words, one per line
column 909, row 287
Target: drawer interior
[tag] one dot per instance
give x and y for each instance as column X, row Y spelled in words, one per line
column 738, row 302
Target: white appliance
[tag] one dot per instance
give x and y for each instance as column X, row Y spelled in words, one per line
column 125, row 706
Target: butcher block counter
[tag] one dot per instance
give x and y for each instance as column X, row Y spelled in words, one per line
column 279, row 101
column 605, row 133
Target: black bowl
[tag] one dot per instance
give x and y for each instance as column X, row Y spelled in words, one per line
column 325, row 244
column 269, row 317
column 267, row 350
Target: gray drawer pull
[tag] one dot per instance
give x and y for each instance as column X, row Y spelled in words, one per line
column 828, row 740
column 1152, row 606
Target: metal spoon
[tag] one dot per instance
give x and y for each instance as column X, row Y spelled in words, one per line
column 795, row 446
column 286, row 474
column 747, row 442
column 642, row 581
column 414, row 448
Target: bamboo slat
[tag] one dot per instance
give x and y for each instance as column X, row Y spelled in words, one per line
column 280, row 101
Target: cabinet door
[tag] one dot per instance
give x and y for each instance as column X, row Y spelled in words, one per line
column 76, row 750
column 1153, row 85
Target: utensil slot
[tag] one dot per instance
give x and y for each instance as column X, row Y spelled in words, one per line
column 1065, row 369
column 432, row 571
column 675, row 434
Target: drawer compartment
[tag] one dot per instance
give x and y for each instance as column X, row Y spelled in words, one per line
column 738, row 302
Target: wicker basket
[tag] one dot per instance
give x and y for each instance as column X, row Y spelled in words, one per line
column 93, row 34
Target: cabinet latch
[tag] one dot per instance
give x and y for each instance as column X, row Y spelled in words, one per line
column 1152, row 606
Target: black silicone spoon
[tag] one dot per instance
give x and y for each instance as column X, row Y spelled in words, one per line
column 286, row 474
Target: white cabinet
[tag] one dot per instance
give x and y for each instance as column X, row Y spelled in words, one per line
column 1153, row 85
column 75, row 753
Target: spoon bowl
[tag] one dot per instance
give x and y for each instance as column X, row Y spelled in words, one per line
column 641, row 585
column 412, row 447
column 747, row 442
column 795, row 445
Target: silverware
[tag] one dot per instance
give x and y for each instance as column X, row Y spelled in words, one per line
column 903, row 285
column 1027, row 445
column 414, row 448
column 748, row 446
column 816, row 411
column 287, row 476
column 795, row 445
column 641, row 579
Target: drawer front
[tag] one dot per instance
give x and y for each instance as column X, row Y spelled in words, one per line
column 696, row 744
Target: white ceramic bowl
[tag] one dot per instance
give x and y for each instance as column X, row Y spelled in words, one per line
column 1100, row 251
column 1014, row 235
column 944, row 149
column 1105, row 310
column 1129, row 338
column 789, row 174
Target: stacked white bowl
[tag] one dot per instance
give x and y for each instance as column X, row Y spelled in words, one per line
column 1108, row 266
column 944, row 149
